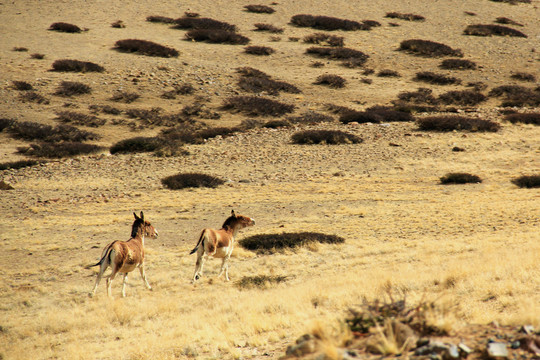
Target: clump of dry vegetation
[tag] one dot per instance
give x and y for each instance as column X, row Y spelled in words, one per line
column 196, row 23
column 388, row 73
column 490, row 30
column 324, row 39
column 20, row 164
column 69, row 65
column 310, row 117
column 105, row 109
column 527, row 181
column 126, row 97
column 259, row 281
column 331, row 80
column 259, row 9
column 420, row 96
column 78, row 118
column 217, row 36
column 59, row 150
column 524, row 118
column 447, row 123
column 462, row 97
column 145, row 47
column 258, row 83
column 328, row 137
column 460, row 178
column 160, row 19
column 118, row 24
column 434, row 78
column 193, row 134
column 34, row 97
column 65, row 27
column 259, row 50
column 257, row 106
column 402, row 16
column 191, row 180
column 458, row 64
column 272, row 243
column 507, row 21
column 21, row 85
column 428, row 48
column 27, row 130
column 522, row 76
column 137, row 144
column 71, row 88
column 185, row 89
column 327, row 23
column 376, row 116
column 20, row 49
column 513, row 2
column 516, row 95
column 349, row 57
column 37, row 56
column 268, row 27
column 5, row 123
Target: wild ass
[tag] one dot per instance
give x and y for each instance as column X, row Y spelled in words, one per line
column 125, row 256
column 219, row 243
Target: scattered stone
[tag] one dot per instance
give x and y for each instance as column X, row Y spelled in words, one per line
column 5, row 186
column 497, row 350
column 464, row 350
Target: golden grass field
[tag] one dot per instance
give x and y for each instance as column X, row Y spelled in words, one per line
column 474, row 248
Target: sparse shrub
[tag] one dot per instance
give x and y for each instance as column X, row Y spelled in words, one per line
column 19, row 164
column 462, row 97
column 191, row 180
column 191, row 14
column 32, row 96
column 507, row 21
column 185, row 89
column 527, row 118
column 470, row 13
column 516, row 95
column 454, row 122
column 136, row 145
column 408, row 17
column 333, row 81
column 310, row 117
column 145, row 47
column 195, row 23
column 460, row 178
column 259, row 50
column 477, row 85
column 351, row 57
column 125, row 97
column 490, row 30
column 105, row 109
column 272, row 243
column 523, row 76
column 21, row 85
column 28, row 130
column 160, row 19
column 258, row 84
column 513, row 2
column 65, row 27
column 327, row 23
column 5, row 123
column 252, row 72
column 70, row 88
column 259, row 9
column 275, row 124
column 530, row 181
column 421, row 96
column 322, row 38
column 259, row 281
column 76, row 66
column 118, row 24
column 434, row 78
column 371, row 23
column 317, row 64
column 20, row 49
column 60, row 150
column 458, row 64
column 388, row 73
column 375, row 116
column 217, row 36
column 257, row 106
column 268, row 27
column 428, row 48
column 329, row 137
column 77, row 118
column 37, row 56
column 337, row 109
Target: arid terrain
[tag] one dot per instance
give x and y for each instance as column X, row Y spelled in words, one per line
column 473, row 249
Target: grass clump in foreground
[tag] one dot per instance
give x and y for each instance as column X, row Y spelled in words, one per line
column 329, row 137
column 21, row 85
column 257, row 106
column 191, row 180
column 59, row 150
column 260, row 281
column 145, row 47
column 256, row 81
column 454, row 122
column 462, row 97
column 460, row 178
column 68, row 65
column 428, row 48
column 527, row 181
column 272, row 243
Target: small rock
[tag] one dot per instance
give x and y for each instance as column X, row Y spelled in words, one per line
column 5, row 186
column 464, row 350
column 527, row 329
column 497, row 350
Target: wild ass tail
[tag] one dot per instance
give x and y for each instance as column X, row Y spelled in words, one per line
column 198, row 243
column 106, row 254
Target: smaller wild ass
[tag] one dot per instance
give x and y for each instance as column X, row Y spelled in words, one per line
column 125, row 256
column 219, row 243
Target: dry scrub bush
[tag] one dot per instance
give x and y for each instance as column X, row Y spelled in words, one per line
column 70, row 88
column 322, row 39
column 125, row 97
column 5, row 123
column 21, row 85
column 145, row 47
column 458, row 64
column 32, row 96
column 528, row 118
column 77, row 118
column 194, row 135
column 513, row 2
column 327, row 23
column 388, row 73
column 194, row 23
column 155, row 117
column 257, row 106
column 37, row 56
column 523, row 76
column 259, row 281
column 268, row 27
column 516, row 95
column 65, row 27
column 28, row 130
column 460, row 178
column 375, row 116
column 276, row 124
column 68, row 65
column 428, row 48
column 20, row 49
column 160, row 19
column 217, row 36
column 328, row 137
column 105, row 109
column 138, row 144
column 490, row 30
column 507, row 21
column 310, row 117
column 191, row 180
column 408, row 17
column 185, row 89
column 350, row 57
column 454, row 122
column 272, row 243
column 434, row 78
column 59, row 150
column 421, row 96
column 118, row 24
column 257, row 84
column 19, row 164
column 462, row 97
column 259, row 50
column 333, row 81
column 527, row 181
column 259, row 9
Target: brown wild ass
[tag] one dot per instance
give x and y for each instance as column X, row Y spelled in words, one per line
column 219, row 243
column 125, row 256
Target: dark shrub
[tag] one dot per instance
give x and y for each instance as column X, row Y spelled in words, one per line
column 352, row 57
column 257, row 106
column 19, row 164
column 70, row 88
column 490, row 29
column 408, row 17
column 531, row 181
column 516, row 95
column 268, row 27
column 118, row 24
column 513, row 2
column 388, row 73
column 477, row 85
column 160, row 19
column 378, row 115
column 458, row 64
column 193, row 23
column 310, row 117
column 259, row 50
column 37, row 56
column 65, row 27
column 371, row 23
column 428, row 48
column 20, row 49
column 21, row 85
column 327, row 23
column 272, row 87
column 125, row 97
column 460, row 178
column 531, row 118
column 454, row 122
column 523, row 76
column 329, row 137
column 79, row 119
column 322, row 38
column 421, row 96
column 185, row 89
column 507, row 21
column 191, row 180
column 271, row 243
column 275, row 124
column 259, row 9
column 27, row 130
column 32, row 96
column 136, row 145
column 259, row 281
column 105, row 109
column 145, row 47
column 438, row 79
column 251, row 72
column 462, row 97
column 333, row 81
column 217, row 36
column 60, row 150
column 76, row 66
column 337, row 109
column 5, row 123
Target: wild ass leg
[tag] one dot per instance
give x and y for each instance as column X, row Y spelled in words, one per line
column 225, row 267
column 199, row 264
column 124, row 285
column 143, row 275
column 109, row 282
column 104, row 265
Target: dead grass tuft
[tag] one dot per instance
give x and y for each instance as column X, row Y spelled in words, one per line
column 513, row 2
column 375, row 116
column 490, row 30
column 327, row 23
column 77, row 118
column 507, row 21
column 28, row 130
column 71, row 88
column 462, row 97
column 59, row 150
column 527, row 181
column 259, row 50
column 402, row 16
column 217, row 36
column 105, row 109
column 34, row 97
column 328, row 137
column 350, row 57
column 68, row 65
column 19, row 164
column 259, row 281
column 268, row 27
column 434, row 78
column 428, row 48
column 525, row 118
column 259, row 9
column 191, row 180
column 324, row 39
column 160, row 19
column 458, row 64
column 459, row 123
column 310, row 117
column 333, row 81
column 522, row 76
column 196, row 23
column 37, row 56
column 65, row 27
column 460, row 178
column 259, row 84
column 145, row 47
column 421, row 96
column 388, row 73
column 21, row 85
column 516, row 95
column 125, row 97
column 272, row 243
column 257, row 106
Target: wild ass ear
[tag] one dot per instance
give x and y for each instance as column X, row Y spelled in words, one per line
column 136, row 217
column 232, row 213
column 142, row 216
